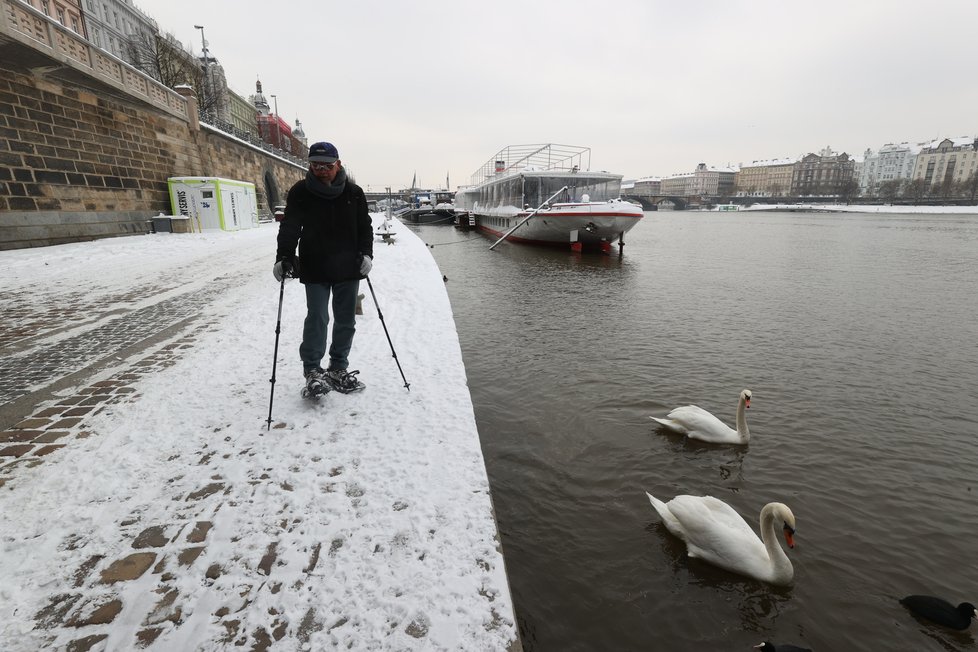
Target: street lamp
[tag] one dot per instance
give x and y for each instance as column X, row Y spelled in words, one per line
column 278, row 128
column 203, row 85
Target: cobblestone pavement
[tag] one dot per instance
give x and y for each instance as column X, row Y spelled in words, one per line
column 22, row 321
column 55, row 422
column 80, row 620
column 71, row 335
column 20, row 374
column 100, row 328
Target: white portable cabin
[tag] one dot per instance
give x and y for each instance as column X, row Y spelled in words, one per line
column 215, row 203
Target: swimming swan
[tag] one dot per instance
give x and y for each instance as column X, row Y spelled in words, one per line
column 697, row 423
column 715, row 533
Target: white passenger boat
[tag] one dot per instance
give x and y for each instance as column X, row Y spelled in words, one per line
column 546, row 194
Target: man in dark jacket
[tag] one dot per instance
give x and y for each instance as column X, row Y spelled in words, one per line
column 326, row 214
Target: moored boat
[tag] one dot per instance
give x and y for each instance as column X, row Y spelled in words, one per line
column 545, row 194
column 433, row 207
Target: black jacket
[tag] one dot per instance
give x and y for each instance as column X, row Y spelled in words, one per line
column 333, row 234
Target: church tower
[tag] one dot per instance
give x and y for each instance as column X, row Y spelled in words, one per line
column 261, row 104
column 299, row 134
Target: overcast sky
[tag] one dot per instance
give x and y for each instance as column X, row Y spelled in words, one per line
column 653, row 87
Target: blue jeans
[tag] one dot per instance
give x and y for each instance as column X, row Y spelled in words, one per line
column 313, row 346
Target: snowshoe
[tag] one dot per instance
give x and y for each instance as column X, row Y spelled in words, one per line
column 316, row 384
column 314, row 394
column 343, row 381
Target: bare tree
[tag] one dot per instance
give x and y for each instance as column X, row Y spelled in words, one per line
column 969, row 187
column 916, row 190
column 848, row 190
column 167, row 61
column 943, row 190
column 890, row 189
column 163, row 59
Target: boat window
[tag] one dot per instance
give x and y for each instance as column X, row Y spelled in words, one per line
column 511, row 192
column 526, row 192
column 597, row 189
column 550, row 185
column 532, row 196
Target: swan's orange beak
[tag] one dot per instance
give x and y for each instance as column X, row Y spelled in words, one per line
column 747, row 402
column 789, row 536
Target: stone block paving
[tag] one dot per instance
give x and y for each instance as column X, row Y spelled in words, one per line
column 40, row 366
column 107, row 585
column 53, row 424
column 21, row 318
column 80, row 618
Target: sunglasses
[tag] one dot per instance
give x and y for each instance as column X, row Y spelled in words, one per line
column 323, row 166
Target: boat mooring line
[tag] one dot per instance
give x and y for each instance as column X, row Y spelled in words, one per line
column 442, row 244
column 444, row 219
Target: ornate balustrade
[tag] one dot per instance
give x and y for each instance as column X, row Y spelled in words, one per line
column 21, row 23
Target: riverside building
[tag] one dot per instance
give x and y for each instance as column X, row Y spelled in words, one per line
column 952, row 160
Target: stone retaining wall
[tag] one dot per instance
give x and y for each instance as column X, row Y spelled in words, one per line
column 83, row 156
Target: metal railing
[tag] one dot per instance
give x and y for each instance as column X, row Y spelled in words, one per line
column 211, row 120
column 545, row 156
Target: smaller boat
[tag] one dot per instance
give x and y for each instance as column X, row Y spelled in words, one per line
column 433, row 207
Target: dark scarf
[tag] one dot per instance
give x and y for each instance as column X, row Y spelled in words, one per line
column 320, row 189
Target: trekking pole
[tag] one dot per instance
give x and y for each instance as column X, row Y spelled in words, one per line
column 407, row 385
column 278, row 329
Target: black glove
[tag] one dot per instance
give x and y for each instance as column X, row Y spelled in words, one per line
column 285, row 268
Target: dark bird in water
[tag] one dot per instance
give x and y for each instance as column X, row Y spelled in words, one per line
column 941, row 611
column 768, row 646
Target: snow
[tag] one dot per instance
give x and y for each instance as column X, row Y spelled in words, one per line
column 860, row 208
column 956, row 141
column 787, row 160
column 362, row 522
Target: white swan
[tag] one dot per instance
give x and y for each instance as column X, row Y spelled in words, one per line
column 715, row 533
column 697, row 423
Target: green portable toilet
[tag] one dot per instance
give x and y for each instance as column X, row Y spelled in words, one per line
column 214, row 203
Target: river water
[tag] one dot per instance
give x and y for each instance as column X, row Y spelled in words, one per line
column 858, row 335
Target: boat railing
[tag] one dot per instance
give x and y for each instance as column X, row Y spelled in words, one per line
column 547, row 156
